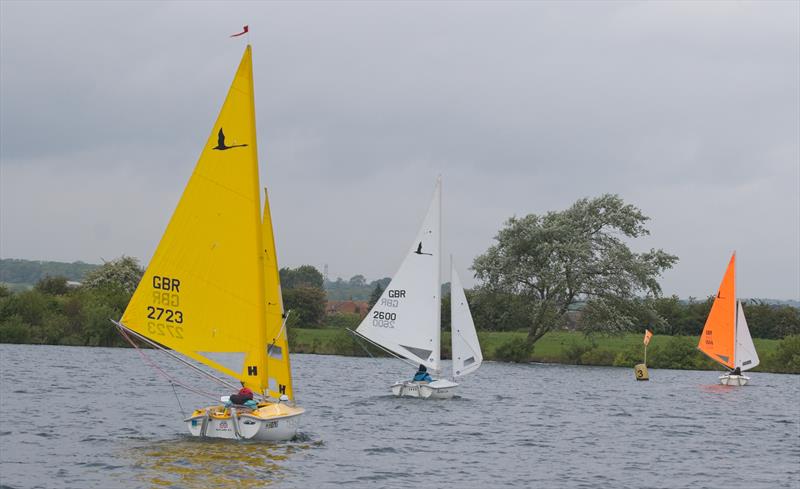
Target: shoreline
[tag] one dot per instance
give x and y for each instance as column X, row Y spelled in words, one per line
column 558, row 347
column 555, row 348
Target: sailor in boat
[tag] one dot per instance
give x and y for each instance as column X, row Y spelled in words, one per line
column 422, row 375
column 736, row 371
column 243, row 397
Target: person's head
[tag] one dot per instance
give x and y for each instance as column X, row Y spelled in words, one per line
column 422, row 368
column 246, row 392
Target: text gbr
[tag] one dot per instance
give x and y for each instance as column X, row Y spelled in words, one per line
column 165, row 321
column 383, row 319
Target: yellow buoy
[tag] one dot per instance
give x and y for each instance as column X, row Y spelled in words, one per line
column 641, row 372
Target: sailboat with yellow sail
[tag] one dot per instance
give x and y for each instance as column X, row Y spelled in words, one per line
column 726, row 337
column 212, row 292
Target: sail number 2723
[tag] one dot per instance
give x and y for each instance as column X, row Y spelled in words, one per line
column 170, row 326
column 165, row 321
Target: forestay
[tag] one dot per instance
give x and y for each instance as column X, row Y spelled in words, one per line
column 467, row 356
column 204, row 289
column 745, row 356
column 405, row 320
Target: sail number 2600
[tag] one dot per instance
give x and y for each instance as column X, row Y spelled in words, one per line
column 382, row 319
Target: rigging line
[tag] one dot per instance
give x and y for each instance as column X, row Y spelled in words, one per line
column 390, row 352
column 174, row 356
column 164, row 350
column 359, row 343
column 283, row 327
column 178, row 399
column 155, row 366
column 280, row 332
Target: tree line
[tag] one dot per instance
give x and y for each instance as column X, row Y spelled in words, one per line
column 55, row 313
column 565, row 269
column 29, row 272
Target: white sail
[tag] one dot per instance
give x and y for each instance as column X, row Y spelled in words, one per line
column 467, row 356
column 745, row 356
column 405, row 320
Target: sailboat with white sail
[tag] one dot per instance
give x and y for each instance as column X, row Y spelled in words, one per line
column 211, row 292
column 726, row 337
column 406, row 319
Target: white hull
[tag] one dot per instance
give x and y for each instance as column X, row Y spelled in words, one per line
column 438, row 389
column 737, row 380
column 215, row 422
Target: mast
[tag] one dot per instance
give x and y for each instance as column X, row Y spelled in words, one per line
column 452, row 331
column 261, row 338
column 438, row 345
column 735, row 315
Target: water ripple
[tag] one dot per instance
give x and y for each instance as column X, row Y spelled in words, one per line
column 510, row 426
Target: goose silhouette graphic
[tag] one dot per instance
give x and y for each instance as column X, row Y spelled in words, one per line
column 221, row 142
column 419, row 250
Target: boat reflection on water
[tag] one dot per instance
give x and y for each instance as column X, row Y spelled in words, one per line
column 190, row 462
column 717, row 389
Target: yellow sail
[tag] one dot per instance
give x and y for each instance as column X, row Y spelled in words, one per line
column 278, row 368
column 203, row 292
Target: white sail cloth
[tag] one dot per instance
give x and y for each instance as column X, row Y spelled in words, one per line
column 406, row 318
column 467, row 356
column 745, row 356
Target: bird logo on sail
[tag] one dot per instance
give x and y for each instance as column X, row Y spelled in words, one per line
column 221, row 142
column 419, row 250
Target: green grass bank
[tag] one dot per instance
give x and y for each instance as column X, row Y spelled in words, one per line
column 678, row 352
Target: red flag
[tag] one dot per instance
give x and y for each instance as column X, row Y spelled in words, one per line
column 244, row 31
column 647, row 336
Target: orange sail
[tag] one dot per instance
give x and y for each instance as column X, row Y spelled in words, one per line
column 717, row 339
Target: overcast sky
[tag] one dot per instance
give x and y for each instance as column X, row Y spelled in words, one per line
column 688, row 110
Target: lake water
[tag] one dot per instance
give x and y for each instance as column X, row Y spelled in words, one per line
column 98, row 417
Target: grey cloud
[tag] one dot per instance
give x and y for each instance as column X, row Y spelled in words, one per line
column 689, row 110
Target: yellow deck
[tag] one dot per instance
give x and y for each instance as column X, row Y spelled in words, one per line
column 268, row 410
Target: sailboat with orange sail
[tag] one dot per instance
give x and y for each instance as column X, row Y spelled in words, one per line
column 726, row 337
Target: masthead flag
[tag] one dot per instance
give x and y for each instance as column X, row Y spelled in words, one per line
column 647, row 336
column 244, row 31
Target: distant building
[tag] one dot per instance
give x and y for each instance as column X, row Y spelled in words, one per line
column 348, row 307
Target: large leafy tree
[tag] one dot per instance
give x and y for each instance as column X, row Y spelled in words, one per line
column 307, row 305
column 376, row 294
column 52, row 285
column 358, row 281
column 579, row 254
column 302, row 276
column 303, row 295
column 123, row 272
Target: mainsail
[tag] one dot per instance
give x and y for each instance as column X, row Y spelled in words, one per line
column 745, row 356
column 717, row 339
column 203, row 292
column 467, row 356
column 278, row 368
column 405, row 320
